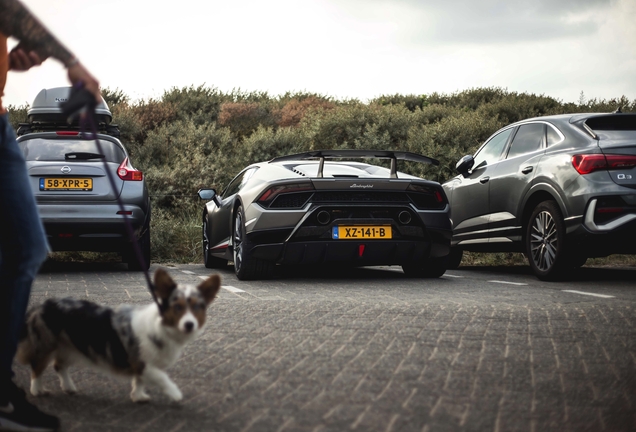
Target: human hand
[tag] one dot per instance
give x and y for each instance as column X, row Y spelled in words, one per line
column 77, row 73
column 21, row 60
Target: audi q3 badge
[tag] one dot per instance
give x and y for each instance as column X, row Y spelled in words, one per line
column 66, row 169
column 624, row 177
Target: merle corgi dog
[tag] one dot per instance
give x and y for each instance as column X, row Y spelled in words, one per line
column 138, row 341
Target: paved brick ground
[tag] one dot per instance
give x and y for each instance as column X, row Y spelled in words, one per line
column 372, row 352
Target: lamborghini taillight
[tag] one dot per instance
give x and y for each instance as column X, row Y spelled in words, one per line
column 274, row 191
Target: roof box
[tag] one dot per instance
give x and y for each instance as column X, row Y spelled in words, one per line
column 46, row 107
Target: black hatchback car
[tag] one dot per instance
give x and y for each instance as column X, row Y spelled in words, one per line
column 560, row 189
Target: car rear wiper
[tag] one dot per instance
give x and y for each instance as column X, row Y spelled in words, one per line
column 83, row 156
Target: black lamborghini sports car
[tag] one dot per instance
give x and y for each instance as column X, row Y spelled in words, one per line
column 309, row 209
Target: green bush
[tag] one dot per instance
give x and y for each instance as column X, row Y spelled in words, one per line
column 181, row 157
column 17, row 115
column 411, row 102
column 243, row 118
column 114, row 98
column 358, row 125
column 447, row 140
column 199, row 104
column 295, row 108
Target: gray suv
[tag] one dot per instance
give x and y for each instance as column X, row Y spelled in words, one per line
column 76, row 202
column 560, row 189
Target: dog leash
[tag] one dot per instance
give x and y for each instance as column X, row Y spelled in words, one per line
column 81, row 102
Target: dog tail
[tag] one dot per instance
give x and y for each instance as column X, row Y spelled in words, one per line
column 36, row 339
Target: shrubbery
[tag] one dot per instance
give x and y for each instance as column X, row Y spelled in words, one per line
column 201, row 137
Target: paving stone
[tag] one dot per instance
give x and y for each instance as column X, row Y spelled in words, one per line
column 372, row 351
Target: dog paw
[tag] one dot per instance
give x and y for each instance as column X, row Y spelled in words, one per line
column 69, row 389
column 140, row 397
column 175, row 395
column 37, row 389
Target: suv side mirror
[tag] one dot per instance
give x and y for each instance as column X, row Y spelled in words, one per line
column 209, row 195
column 465, row 164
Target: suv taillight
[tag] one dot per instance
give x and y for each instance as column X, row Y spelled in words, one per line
column 588, row 163
column 127, row 172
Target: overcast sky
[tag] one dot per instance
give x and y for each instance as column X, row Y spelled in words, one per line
column 344, row 48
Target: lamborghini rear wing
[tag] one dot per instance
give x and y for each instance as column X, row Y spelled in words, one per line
column 362, row 154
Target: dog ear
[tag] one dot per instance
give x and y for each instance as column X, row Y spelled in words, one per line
column 164, row 285
column 210, row 287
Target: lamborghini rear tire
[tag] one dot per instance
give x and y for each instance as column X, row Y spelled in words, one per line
column 455, row 258
column 247, row 267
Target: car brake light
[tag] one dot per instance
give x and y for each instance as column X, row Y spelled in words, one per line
column 586, row 164
column 67, row 133
column 127, row 172
column 274, row 191
column 621, row 161
column 427, row 190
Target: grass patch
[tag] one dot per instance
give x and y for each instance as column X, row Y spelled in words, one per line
column 516, row 258
column 613, row 261
column 176, row 238
column 493, row 259
column 90, row 257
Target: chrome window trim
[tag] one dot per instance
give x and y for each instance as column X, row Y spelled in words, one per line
column 590, row 131
column 492, row 136
column 545, row 144
column 558, row 133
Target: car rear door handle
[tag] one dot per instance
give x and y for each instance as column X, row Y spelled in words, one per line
column 484, row 180
column 527, row 170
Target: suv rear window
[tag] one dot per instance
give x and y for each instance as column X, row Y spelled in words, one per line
column 615, row 126
column 55, row 150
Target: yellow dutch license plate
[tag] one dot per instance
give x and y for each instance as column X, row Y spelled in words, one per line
column 362, row 232
column 67, row 183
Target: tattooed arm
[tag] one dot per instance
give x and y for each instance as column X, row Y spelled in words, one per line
column 17, row 21
column 37, row 44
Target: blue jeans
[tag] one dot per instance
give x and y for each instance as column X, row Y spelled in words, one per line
column 23, row 245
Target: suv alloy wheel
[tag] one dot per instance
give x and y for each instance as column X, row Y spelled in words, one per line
column 545, row 241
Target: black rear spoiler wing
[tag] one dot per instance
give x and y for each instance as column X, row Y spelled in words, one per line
column 362, row 154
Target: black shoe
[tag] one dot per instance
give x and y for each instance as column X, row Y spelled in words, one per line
column 17, row 414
